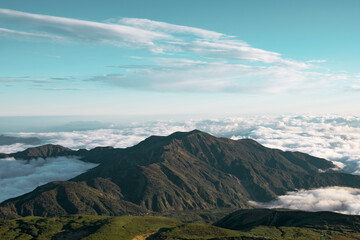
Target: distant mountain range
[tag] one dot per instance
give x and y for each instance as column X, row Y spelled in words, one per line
column 8, row 140
column 182, row 171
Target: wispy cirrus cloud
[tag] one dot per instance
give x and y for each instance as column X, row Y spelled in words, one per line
column 63, row 89
column 192, row 59
column 27, row 35
column 134, row 32
column 176, row 75
column 210, row 43
column 66, row 83
column 81, row 30
column 170, row 28
column 354, row 84
column 23, row 79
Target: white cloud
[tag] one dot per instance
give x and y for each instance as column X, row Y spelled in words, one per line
column 16, row 147
column 228, row 49
column 336, row 199
column 170, row 28
column 21, row 35
column 88, row 31
column 210, row 43
column 18, row 176
column 200, row 76
column 142, row 33
column 317, row 61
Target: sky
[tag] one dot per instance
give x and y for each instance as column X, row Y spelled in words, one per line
column 172, row 58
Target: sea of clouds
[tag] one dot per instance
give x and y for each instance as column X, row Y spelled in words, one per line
column 334, row 137
column 20, row 176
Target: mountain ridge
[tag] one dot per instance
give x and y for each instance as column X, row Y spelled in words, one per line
column 182, row 171
column 245, row 219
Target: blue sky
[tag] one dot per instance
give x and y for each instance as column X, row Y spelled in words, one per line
column 131, row 58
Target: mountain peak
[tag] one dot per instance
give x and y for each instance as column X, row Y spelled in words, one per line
column 185, row 134
column 156, row 140
column 44, row 151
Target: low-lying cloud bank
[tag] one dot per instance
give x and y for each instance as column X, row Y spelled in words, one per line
column 333, row 137
column 335, row 199
column 18, row 176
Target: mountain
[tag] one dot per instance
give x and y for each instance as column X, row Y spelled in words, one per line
column 182, row 171
column 44, row 151
column 8, row 140
column 95, row 155
column 246, row 219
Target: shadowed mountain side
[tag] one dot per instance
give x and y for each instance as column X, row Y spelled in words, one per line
column 63, row 198
column 249, row 218
column 185, row 171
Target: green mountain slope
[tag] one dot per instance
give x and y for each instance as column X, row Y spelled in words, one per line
column 78, row 227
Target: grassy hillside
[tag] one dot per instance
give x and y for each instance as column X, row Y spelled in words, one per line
column 152, row 228
column 83, row 227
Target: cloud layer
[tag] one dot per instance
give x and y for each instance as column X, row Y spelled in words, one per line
column 335, row 199
column 336, row 138
column 18, row 177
